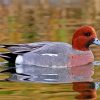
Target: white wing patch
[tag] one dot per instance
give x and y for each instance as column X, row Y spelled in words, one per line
column 49, row 54
column 19, row 59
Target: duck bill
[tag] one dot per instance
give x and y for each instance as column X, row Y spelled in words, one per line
column 96, row 41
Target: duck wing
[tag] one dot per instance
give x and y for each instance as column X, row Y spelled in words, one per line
column 22, row 48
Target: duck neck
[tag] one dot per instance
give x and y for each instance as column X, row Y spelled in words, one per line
column 80, row 47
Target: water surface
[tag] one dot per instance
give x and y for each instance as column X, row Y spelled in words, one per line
column 36, row 83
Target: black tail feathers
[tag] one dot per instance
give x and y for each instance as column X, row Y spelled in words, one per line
column 7, row 45
column 8, row 56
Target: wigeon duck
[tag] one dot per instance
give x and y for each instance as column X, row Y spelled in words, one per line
column 54, row 54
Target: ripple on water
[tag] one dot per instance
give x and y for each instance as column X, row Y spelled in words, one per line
column 96, row 63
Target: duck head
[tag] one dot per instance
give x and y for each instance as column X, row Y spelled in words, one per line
column 84, row 37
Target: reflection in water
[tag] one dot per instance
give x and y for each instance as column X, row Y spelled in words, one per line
column 53, row 75
column 96, row 63
column 87, row 90
column 79, row 76
column 80, row 79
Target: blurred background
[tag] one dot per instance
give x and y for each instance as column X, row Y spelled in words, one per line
column 24, row 21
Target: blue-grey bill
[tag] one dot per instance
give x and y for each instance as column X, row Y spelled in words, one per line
column 96, row 41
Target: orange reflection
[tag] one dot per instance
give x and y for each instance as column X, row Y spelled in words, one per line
column 86, row 90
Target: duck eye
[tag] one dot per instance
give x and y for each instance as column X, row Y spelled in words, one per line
column 87, row 34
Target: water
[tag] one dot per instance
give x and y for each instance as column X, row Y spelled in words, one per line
column 42, row 83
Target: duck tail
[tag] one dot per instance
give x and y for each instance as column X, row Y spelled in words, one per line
column 7, row 45
column 8, row 56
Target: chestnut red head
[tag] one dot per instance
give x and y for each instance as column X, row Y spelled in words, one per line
column 84, row 37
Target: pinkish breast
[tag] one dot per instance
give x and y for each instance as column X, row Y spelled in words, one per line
column 80, row 59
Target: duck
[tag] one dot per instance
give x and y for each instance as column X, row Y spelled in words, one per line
column 55, row 54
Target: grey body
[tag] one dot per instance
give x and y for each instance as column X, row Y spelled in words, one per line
column 49, row 54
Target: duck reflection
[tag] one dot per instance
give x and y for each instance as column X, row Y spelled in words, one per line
column 53, row 75
column 86, row 90
column 80, row 78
